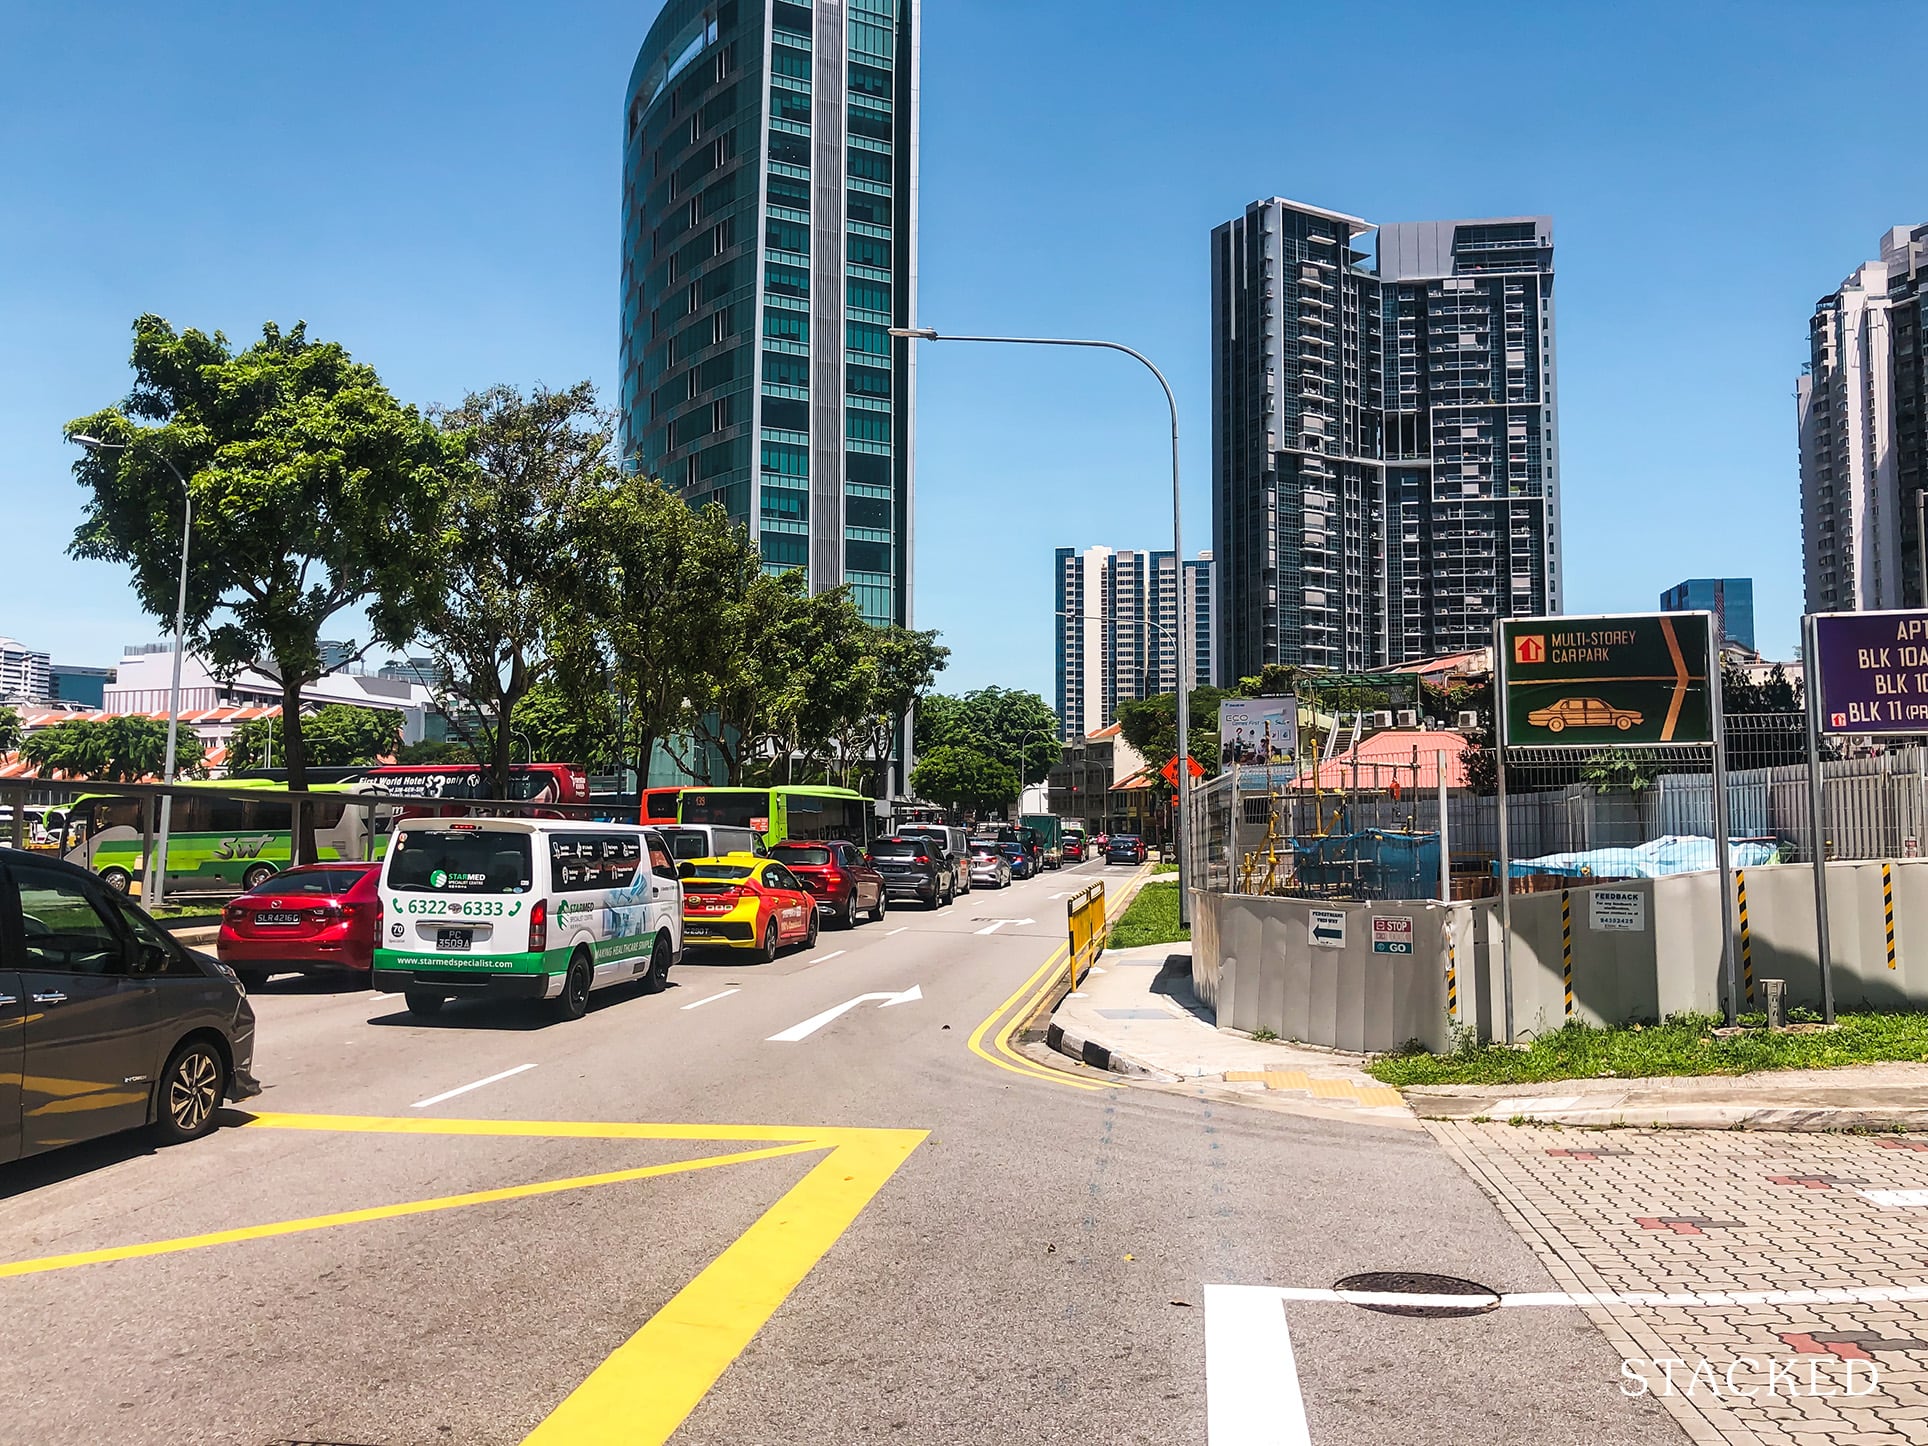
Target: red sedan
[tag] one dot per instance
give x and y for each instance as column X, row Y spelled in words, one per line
column 315, row 918
column 844, row 885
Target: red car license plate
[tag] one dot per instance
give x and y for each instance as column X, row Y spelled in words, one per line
column 277, row 919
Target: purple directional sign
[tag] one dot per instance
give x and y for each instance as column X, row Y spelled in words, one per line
column 1873, row 669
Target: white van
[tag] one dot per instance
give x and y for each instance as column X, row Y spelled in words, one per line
column 533, row 908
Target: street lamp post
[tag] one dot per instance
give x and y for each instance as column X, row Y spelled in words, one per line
column 1182, row 829
column 154, row 884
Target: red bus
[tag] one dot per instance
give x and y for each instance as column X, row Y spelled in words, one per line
column 459, row 782
column 660, row 804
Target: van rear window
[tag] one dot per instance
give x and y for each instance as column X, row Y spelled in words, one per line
column 439, row 861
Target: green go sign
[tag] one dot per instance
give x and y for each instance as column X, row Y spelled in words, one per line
column 1607, row 682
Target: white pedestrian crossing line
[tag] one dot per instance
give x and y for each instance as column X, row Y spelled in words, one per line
column 1252, row 1395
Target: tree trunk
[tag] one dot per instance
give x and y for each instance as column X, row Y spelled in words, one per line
column 294, row 756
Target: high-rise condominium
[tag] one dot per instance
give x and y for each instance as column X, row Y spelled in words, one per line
column 769, row 238
column 1117, row 630
column 1862, row 414
column 1385, row 475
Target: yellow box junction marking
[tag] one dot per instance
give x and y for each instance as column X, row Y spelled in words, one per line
column 643, row 1392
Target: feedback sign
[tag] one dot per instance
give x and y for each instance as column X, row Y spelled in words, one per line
column 1873, row 671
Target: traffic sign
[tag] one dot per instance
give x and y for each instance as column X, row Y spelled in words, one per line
column 1170, row 770
column 1604, row 682
column 1874, row 671
column 1392, row 934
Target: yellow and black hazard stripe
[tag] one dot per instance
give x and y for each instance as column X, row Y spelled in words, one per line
column 1888, row 907
column 1452, row 985
column 1566, row 947
column 1747, row 937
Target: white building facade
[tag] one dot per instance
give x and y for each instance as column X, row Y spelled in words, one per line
column 23, row 673
column 1117, row 624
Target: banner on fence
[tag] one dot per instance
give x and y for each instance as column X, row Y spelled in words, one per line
column 1262, row 731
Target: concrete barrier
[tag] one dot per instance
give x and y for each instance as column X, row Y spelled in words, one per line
column 1640, row 950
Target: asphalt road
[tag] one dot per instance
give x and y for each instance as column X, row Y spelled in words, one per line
column 954, row 1249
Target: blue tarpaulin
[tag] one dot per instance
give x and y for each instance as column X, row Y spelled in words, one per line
column 1675, row 854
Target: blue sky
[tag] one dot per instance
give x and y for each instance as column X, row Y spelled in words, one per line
column 436, row 185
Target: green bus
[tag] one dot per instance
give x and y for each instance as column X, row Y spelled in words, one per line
column 216, row 844
column 789, row 812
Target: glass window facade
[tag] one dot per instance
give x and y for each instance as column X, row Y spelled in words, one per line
column 769, row 239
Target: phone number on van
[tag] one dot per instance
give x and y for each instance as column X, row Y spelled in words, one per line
column 470, row 908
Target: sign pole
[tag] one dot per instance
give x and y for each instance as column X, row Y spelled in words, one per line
column 1818, row 818
column 1445, row 836
column 1723, row 851
column 1506, row 861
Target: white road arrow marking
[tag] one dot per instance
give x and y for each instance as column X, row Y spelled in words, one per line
column 996, row 924
column 817, row 1021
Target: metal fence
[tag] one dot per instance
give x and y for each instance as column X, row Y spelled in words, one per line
column 1371, row 830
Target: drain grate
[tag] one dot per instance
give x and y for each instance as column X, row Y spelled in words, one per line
column 1414, row 1293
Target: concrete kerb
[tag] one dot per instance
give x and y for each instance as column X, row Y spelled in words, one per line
column 1048, row 1002
column 1872, row 1098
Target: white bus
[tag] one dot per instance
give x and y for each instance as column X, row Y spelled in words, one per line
column 525, row 908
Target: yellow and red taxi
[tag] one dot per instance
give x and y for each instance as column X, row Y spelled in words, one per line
column 741, row 901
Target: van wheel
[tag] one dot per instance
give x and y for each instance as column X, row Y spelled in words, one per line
column 191, row 1089
column 771, row 943
column 119, row 880
column 657, row 977
column 423, row 1006
column 573, row 1002
column 255, row 877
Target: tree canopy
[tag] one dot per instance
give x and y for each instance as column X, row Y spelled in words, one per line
column 335, row 735
column 515, row 555
column 121, row 749
column 9, row 730
column 1151, row 726
column 960, row 776
column 1003, row 723
column 314, row 491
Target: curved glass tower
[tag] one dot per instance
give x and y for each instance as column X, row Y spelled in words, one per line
column 769, row 238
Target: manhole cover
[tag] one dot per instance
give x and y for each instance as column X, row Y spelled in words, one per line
column 1407, row 1292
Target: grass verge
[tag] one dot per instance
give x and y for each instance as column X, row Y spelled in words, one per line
column 1685, row 1044
column 1151, row 919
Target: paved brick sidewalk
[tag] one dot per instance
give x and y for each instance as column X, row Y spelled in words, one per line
column 1682, row 1212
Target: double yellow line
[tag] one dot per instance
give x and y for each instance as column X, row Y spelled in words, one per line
column 995, row 1048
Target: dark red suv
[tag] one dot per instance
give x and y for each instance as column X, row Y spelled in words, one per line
column 836, row 875
column 315, row 918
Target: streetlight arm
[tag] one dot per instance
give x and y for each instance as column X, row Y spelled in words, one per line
column 1181, row 825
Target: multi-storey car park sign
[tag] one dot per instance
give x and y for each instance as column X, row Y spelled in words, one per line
column 1873, row 669
column 1602, row 682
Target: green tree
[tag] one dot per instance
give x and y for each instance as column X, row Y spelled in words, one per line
column 9, row 730
column 745, row 683
column 314, row 490
column 565, row 724
column 826, row 679
column 334, row 736
column 904, row 664
column 1005, row 723
column 659, row 593
column 1151, row 726
column 512, row 560
column 959, row 776
column 122, row 749
column 436, row 750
